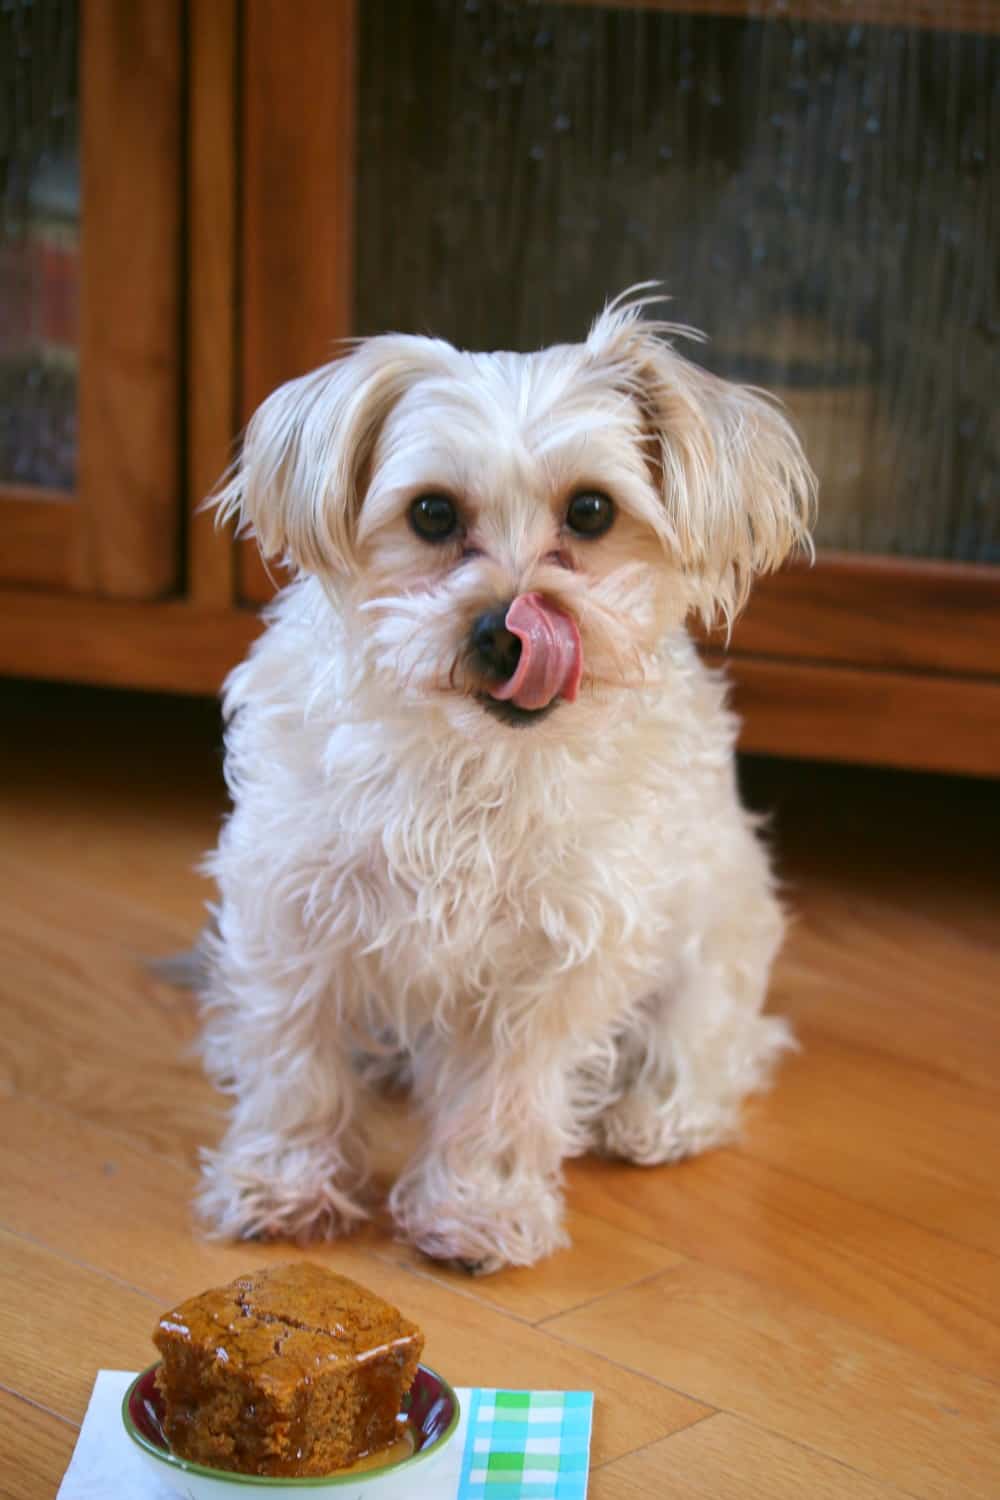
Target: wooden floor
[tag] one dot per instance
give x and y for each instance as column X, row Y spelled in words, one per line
column 812, row 1313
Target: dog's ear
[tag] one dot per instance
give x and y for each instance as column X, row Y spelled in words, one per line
column 738, row 493
column 299, row 482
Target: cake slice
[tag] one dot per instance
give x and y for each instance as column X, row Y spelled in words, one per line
column 292, row 1370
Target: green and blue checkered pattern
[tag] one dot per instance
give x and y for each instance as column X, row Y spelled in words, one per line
column 527, row 1445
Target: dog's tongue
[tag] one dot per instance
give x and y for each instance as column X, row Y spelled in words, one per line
column 551, row 659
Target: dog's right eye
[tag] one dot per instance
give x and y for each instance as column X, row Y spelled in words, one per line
column 434, row 517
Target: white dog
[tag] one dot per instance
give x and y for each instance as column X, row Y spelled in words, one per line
column 485, row 817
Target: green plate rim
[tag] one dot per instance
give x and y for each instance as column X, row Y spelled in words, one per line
column 316, row 1481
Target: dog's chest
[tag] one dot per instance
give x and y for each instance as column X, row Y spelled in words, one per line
column 491, row 897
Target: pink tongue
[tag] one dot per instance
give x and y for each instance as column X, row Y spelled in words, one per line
column 551, row 659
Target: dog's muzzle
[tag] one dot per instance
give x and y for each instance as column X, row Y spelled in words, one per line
column 531, row 650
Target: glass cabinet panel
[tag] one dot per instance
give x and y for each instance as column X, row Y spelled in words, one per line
column 39, row 243
column 820, row 197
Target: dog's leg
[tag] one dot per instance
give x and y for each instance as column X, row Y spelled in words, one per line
column 486, row 1189
column 689, row 1056
column 293, row 1158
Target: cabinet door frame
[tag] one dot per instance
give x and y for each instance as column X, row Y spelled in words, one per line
column 931, row 15
column 896, row 614
column 188, row 642
column 118, row 534
column 297, row 243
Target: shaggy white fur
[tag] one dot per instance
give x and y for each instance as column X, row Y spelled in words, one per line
column 564, row 925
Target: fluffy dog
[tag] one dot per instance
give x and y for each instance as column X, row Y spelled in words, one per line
column 485, row 821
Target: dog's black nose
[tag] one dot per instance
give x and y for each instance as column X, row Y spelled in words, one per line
column 496, row 649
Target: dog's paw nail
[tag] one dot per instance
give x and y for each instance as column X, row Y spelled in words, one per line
column 260, row 1234
column 483, row 1267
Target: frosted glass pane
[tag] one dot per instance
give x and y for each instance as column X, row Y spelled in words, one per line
column 821, row 198
column 39, row 242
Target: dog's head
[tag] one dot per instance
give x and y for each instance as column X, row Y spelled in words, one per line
column 509, row 533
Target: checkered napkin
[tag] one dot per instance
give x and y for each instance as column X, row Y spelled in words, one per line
column 526, row 1445
column 510, row 1445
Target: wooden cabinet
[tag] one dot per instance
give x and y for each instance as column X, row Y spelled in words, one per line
column 92, row 263
column 120, row 321
column 812, row 177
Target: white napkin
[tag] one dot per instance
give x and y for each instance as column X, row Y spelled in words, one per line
column 106, row 1465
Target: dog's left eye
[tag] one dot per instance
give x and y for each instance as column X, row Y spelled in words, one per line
column 590, row 513
column 434, row 517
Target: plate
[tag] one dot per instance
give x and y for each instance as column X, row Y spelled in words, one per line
column 429, row 1418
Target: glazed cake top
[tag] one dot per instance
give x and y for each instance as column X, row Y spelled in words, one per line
column 286, row 1322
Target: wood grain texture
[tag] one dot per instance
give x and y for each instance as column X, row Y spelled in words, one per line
column 298, row 201
column 39, row 538
column 36, row 1447
column 829, row 1282
column 758, row 1353
column 724, row 1458
column 894, row 613
column 173, row 647
column 924, row 1157
column 131, row 316
column 114, row 1202
column 93, row 1311
column 212, row 310
column 865, row 1266
column 124, row 1087
column 298, row 168
column 930, row 1017
column 869, row 717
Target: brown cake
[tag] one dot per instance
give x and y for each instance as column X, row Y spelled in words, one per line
column 291, row 1370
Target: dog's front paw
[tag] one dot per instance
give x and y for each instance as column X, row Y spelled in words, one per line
column 478, row 1224
column 295, row 1194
